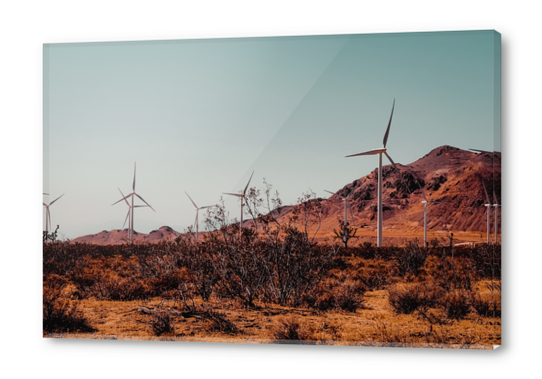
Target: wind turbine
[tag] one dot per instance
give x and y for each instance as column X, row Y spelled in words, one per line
column 48, row 214
column 496, row 208
column 197, row 213
column 131, row 232
column 128, row 214
column 495, row 204
column 425, row 202
column 346, row 205
column 242, row 196
column 379, row 152
column 488, row 206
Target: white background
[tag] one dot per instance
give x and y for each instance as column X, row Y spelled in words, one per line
column 26, row 25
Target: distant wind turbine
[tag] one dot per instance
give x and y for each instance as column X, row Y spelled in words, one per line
column 488, row 206
column 346, row 205
column 242, row 196
column 197, row 213
column 496, row 208
column 48, row 213
column 495, row 202
column 380, row 152
column 131, row 227
column 425, row 202
column 129, row 212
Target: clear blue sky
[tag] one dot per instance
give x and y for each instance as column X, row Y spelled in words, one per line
column 201, row 115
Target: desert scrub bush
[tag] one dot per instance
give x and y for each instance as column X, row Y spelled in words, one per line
column 292, row 328
column 487, row 302
column 406, row 298
column 456, row 303
column 60, row 314
column 374, row 274
column 451, row 273
column 411, row 258
column 218, row 322
column 332, row 293
column 161, row 323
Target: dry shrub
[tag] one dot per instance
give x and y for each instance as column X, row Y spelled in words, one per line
column 411, row 258
column 374, row 274
column 60, row 314
column 162, row 323
column 332, row 293
column 405, row 299
column 457, row 303
column 217, row 322
column 292, row 328
column 448, row 273
column 488, row 303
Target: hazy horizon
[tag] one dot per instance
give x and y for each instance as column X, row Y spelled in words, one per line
column 200, row 115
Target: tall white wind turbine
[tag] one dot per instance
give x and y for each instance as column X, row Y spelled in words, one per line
column 496, row 209
column 425, row 202
column 128, row 214
column 197, row 213
column 488, row 206
column 48, row 213
column 379, row 152
column 242, row 196
column 346, row 205
column 132, row 195
column 495, row 202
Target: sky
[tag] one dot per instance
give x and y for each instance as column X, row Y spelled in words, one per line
column 199, row 116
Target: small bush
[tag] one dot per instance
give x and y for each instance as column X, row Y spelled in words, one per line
column 219, row 323
column 292, row 328
column 333, row 294
column 61, row 315
column 405, row 299
column 488, row 304
column 457, row 303
column 411, row 258
column 162, row 323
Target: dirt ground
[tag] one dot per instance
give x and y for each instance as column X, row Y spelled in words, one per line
column 374, row 325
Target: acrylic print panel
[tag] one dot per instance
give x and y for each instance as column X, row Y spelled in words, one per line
column 328, row 190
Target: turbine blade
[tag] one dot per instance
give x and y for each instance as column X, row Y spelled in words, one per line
column 350, row 208
column 370, row 152
column 389, row 125
column 481, row 151
column 45, row 205
column 191, row 199
column 51, row 203
column 233, row 194
column 133, row 185
column 141, row 206
column 494, row 197
column 126, row 219
column 143, row 200
column 124, row 198
column 207, row 206
column 245, row 191
column 330, row 192
column 485, row 191
column 127, row 203
column 46, row 194
column 391, row 160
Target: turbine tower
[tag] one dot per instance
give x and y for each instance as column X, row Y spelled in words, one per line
column 242, row 196
column 488, row 206
column 379, row 152
column 496, row 208
column 425, row 202
column 197, row 214
column 129, row 213
column 495, row 204
column 48, row 213
column 346, row 205
column 132, row 195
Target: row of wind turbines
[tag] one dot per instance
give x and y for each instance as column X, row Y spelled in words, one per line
column 129, row 199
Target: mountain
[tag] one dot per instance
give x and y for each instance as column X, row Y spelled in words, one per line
column 447, row 174
column 119, row 237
